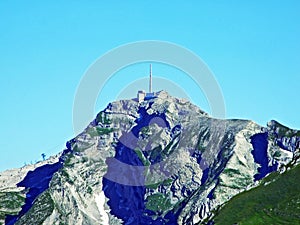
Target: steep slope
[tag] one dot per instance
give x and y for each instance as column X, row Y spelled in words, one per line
column 276, row 201
column 161, row 161
column 13, row 195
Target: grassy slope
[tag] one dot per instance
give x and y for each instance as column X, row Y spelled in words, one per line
column 10, row 203
column 275, row 203
column 39, row 212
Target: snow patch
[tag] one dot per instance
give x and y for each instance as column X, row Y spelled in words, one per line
column 100, row 201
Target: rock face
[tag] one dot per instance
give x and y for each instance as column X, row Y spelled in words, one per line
column 160, row 161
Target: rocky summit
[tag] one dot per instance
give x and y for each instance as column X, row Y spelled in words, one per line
column 159, row 161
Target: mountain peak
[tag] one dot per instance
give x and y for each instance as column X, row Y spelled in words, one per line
column 160, row 102
column 157, row 161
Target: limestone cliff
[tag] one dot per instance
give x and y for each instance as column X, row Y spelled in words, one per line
column 160, row 161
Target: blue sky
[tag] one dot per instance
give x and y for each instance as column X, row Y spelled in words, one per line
column 45, row 48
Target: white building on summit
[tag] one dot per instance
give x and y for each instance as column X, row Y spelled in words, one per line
column 142, row 95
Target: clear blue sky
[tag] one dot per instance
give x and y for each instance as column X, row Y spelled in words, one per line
column 251, row 46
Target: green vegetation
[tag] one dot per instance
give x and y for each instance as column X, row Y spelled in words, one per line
column 40, row 211
column 11, row 200
column 201, row 148
column 92, row 132
column 102, row 131
column 102, row 118
column 275, row 203
column 159, row 153
column 98, row 131
column 158, row 203
column 231, row 172
column 166, row 182
column 146, row 162
column 10, row 203
column 69, row 159
column 156, row 153
column 145, row 130
column 142, row 157
column 277, row 154
column 66, row 175
column 84, row 159
column 153, row 186
column 240, row 180
column 89, row 190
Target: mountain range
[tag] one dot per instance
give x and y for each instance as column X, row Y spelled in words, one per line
column 161, row 161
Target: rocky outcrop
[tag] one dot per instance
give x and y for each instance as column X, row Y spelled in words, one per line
column 160, row 161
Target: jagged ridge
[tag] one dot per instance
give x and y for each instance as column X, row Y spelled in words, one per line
column 161, row 161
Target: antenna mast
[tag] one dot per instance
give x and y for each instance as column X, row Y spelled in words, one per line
column 150, row 81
